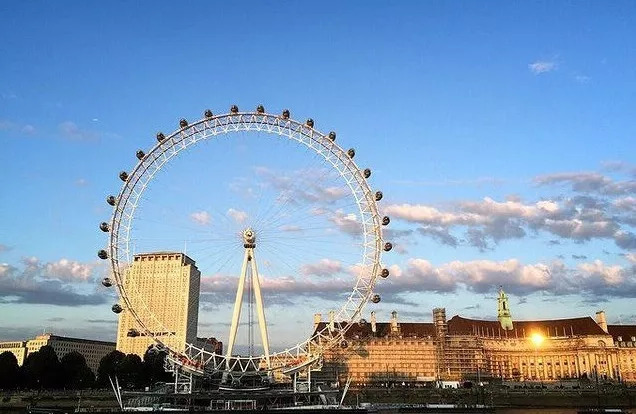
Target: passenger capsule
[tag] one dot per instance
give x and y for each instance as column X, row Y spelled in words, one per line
column 385, row 220
column 102, row 254
column 387, row 246
column 343, row 344
column 378, row 195
column 160, row 136
column 117, row 308
column 310, row 123
column 208, row 114
column 260, row 109
column 332, row 136
column 384, row 273
column 286, row 114
column 366, row 173
column 140, row 155
column 123, row 175
column 107, row 282
column 103, row 226
column 183, row 123
column 110, row 200
column 375, row 299
column 351, row 153
column 234, row 109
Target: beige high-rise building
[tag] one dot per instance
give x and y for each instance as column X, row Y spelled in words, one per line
column 163, row 288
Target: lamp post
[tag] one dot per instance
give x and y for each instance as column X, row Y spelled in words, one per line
column 537, row 339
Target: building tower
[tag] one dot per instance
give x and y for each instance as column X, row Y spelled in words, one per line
column 503, row 311
column 441, row 339
column 165, row 285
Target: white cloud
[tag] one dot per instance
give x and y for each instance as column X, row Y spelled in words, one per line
column 202, row 217
column 578, row 218
column 346, row 222
column 237, row 215
column 5, row 268
column 290, row 228
column 542, row 66
column 627, row 204
column 70, row 130
column 588, row 182
column 324, row 267
column 68, row 270
column 611, row 275
column 28, row 129
column 581, row 78
column 24, row 129
column 594, row 279
column 53, row 283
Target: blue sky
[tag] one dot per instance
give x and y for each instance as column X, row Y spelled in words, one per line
column 502, row 135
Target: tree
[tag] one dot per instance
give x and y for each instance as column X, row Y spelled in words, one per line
column 10, row 370
column 154, row 370
column 76, row 374
column 42, row 369
column 131, row 371
column 109, row 366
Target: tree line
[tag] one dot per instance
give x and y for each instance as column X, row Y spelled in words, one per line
column 43, row 370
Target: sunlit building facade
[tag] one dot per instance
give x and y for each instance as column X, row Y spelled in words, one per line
column 17, row 348
column 163, row 289
column 93, row 351
column 471, row 349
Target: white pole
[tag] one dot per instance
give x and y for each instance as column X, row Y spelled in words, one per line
column 259, row 307
column 236, row 315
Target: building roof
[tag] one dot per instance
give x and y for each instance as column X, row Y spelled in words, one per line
column 68, row 339
column 186, row 259
column 626, row 332
column 550, row 327
column 383, row 329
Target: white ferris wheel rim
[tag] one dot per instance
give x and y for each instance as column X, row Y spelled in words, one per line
column 209, row 127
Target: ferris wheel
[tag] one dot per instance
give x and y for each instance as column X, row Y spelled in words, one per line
column 366, row 223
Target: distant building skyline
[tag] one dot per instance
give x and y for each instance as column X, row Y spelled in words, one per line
column 92, row 350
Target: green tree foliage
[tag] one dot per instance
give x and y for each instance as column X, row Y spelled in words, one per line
column 42, row 369
column 154, row 370
column 76, row 374
column 131, row 372
column 109, row 366
column 9, row 371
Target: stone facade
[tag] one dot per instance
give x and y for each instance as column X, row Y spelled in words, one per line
column 472, row 349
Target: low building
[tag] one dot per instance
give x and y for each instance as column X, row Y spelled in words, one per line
column 625, row 341
column 473, row 349
column 93, row 351
column 17, row 348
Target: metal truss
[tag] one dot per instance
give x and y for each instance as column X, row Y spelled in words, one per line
column 199, row 361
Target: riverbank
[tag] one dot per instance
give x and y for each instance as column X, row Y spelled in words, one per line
column 14, row 402
column 524, row 398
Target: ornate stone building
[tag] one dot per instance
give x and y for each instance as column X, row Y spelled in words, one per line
column 473, row 349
